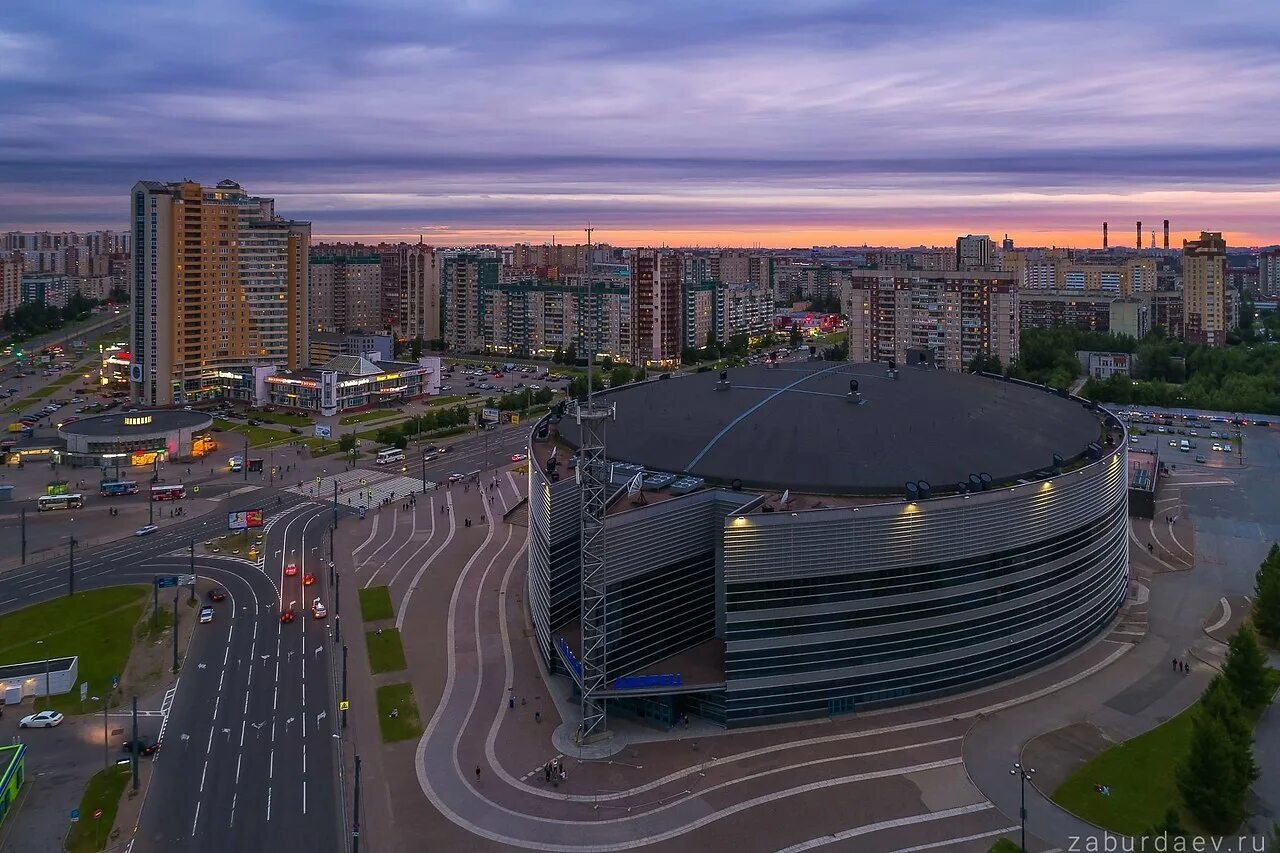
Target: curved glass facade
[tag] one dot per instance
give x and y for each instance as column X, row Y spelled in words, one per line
column 829, row 611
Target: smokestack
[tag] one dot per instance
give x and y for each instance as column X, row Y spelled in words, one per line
column 1139, row 230
column 1104, row 235
column 1166, row 233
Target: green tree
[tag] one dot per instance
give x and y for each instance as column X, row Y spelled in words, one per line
column 347, row 442
column 1246, row 669
column 1266, row 604
column 557, row 357
column 578, row 387
column 415, row 348
column 620, row 375
column 401, row 441
column 1209, row 779
column 1169, row 827
column 571, row 355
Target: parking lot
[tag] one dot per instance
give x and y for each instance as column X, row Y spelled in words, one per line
column 1201, row 442
column 476, row 381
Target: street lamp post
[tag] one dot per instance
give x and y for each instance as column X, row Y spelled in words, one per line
column 71, row 568
column 1024, row 775
column 46, row 671
column 106, row 760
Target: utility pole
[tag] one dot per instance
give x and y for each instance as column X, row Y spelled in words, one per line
column 355, row 811
column 335, row 501
column 192, row 546
column 106, row 758
column 271, row 468
column 344, row 684
column 71, row 569
column 175, row 629
column 151, row 508
column 134, row 752
column 23, row 515
column 245, row 467
column 1023, row 774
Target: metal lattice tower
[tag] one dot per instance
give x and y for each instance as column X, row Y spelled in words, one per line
column 593, row 480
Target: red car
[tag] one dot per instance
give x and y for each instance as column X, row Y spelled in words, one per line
column 217, row 595
column 308, row 579
column 290, row 570
column 286, row 616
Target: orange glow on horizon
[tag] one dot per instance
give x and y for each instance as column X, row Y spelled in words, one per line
column 765, row 237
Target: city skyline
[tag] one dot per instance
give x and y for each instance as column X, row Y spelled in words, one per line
column 498, row 122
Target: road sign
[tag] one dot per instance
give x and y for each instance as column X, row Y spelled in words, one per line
column 323, row 431
column 84, row 690
column 344, row 705
column 115, row 682
column 186, row 580
column 166, row 581
column 75, row 815
column 97, row 814
column 364, row 481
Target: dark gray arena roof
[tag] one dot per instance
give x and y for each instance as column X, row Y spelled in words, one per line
column 146, row 422
column 793, row 427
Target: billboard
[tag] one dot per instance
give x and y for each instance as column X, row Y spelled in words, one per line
column 323, row 431
column 244, row 519
column 491, row 415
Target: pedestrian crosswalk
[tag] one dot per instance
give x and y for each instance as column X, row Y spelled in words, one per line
column 363, row 487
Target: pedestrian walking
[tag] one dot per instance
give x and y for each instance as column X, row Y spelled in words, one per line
column 546, row 771
column 564, row 774
column 477, row 772
column 537, row 716
column 511, row 701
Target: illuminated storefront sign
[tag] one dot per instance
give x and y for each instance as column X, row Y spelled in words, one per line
column 137, row 420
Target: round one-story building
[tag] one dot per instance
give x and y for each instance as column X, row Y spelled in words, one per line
column 138, row 438
column 806, row 547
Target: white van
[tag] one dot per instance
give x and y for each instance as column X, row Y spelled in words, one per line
column 1184, row 446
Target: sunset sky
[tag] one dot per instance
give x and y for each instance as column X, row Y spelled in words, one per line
column 752, row 122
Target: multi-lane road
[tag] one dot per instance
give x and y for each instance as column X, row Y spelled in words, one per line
column 250, row 753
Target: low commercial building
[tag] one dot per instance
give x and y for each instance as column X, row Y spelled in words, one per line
column 349, row 383
column 1104, row 365
column 13, row 766
column 44, row 677
column 138, row 438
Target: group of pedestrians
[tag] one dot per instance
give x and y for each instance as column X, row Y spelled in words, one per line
column 1181, row 666
column 554, row 772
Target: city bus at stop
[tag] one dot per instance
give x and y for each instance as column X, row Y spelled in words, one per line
column 118, row 487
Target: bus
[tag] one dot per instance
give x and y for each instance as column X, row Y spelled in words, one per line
column 47, row 502
column 168, row 493
column 118, row 487
column 389, row 455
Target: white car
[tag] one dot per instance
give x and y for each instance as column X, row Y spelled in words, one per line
column 1133, row 439
column 1217, row 446
column 146, row 530
column 1226, row 448
column 43, row 720
column 455, row 478
column 77, row 399
column 518, row 457
column 206, row 614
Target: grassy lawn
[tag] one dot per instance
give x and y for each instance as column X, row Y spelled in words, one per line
column 98, row 625
column 1004, row 845
column 1140, row 775
column 448, row 400
column 236, row 544
column 285, row 418
column 258, row 436
column 386, row 652
column 406, row 725
column 375, row 603
column 371, row 416
column 103, row 792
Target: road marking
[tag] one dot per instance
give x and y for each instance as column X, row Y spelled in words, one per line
column 1224, row 619
column 413, row 584
column 372, row 532
column 232, row 822
column 195, row 820
column 432, row 512
column 268, row 802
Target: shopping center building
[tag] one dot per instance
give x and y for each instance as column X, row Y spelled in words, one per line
column 137, row 438
column 816, row 539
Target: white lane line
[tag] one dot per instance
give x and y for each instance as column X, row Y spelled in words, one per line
column 1224, row 619
column 417, row 576
column 431, row 510
column 880, row 826
column 238, row 757
column 196, row 820
column 373, row 531
column 413, row 529
column 202, row 774
column 268, row 802
column 232, row 821
column 1174, row 536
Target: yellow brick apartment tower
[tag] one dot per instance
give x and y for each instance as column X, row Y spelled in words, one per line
column 219, row 289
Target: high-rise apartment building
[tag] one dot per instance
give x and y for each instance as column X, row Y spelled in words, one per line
column 1269, row 272
column 10, row 284
column 219, row 288
column 1057, row 270
column 466, row 280
column 419, row 313
column 1206, row 306
column 656, row 306
column 537, row 317
column 345, row 293
column 958, row 315
column 975, row 252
